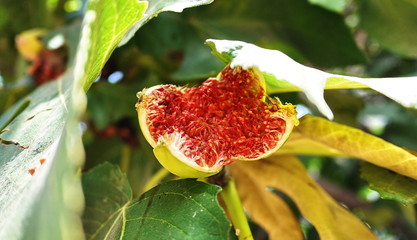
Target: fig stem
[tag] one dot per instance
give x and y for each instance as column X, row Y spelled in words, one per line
column 155, row 179
column 235, row 209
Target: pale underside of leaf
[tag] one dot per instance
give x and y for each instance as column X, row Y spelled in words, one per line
column 286, row 173
column 265, row 208
column 283, row 74
column 358, row 144
column 40, row 182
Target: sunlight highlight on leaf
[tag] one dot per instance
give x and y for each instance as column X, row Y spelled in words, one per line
column 287, row 174
column 358, row 144
column 283, row 74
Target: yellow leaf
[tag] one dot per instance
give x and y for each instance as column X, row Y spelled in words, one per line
column 287, row 174
column 358, row 144
column 298, row 144
column 265, row 208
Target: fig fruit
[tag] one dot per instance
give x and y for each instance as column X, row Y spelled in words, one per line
column 196, row 131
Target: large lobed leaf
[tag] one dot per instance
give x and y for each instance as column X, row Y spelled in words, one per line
column 287, row 174
column 282, row 74
column 113, row 20
column 317, row 136
column 182, row 209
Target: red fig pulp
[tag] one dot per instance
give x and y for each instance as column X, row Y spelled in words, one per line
column 223, row 120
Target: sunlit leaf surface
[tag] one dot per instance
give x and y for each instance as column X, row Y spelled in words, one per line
column 113, row 20
column 356, row 143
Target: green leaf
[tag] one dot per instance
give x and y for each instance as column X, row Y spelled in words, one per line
column 112, row 20
column 196, row 213
column 396, row 17
column 106, row 191
column 332, row 5
column 118, row 21
column 40, row 156
column 182, row 209
column 282, row 74
column 390, row 185
column 157, row 6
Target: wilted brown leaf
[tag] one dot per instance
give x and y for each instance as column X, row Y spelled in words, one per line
column 288, row 175
column 358, row 144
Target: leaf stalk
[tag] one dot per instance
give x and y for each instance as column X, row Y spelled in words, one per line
column 235, row 209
